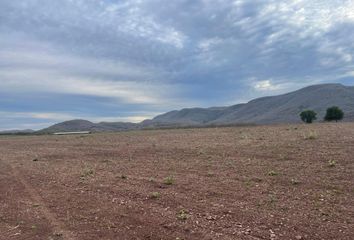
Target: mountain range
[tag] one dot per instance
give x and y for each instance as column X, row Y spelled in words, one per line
column 283, row 108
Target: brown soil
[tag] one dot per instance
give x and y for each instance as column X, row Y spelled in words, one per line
column 271, row 182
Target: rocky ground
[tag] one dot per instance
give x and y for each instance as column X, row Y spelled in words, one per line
column 265, row 182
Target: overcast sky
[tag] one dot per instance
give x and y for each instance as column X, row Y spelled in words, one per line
column 115, row 60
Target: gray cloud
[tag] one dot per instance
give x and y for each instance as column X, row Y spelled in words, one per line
column 159, row 55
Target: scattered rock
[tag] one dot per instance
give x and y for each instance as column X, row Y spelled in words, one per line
column 211, row 218
column 58, row 234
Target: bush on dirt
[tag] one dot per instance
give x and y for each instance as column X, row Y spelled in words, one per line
column 182, row 215
column 334, row 114
column 332, row 163
column 308, row 116
column 87, row 172
column 272, row 173
column 312, row 135
column 155, row 195
column 168, row 181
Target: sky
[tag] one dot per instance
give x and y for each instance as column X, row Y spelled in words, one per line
column 116, row 60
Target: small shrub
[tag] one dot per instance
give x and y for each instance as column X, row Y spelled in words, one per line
column 272, row 199
column 248, row 183
column 332, row 163
column 155, row 195
column 308, row 116
column 182, row 215
column 312, row 135
column 272, row 173
column 87, row 172
column 295, row 182
column 168, row 181
column 334, row 114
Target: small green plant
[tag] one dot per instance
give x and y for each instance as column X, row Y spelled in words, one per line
column 272, row 173
column 87, row 172
column 182, row 215
column 251, row 182
column 272, row 199
column 155, row 195
column 169, row 180
column 284, row 157
column 295, row 181
column 248, row 183
column 312, row 135
column 332, row 163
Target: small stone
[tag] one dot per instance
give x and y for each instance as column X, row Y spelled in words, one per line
column 58, row 234
column 248, row 231
column 298, row 237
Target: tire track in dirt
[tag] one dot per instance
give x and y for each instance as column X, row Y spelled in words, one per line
column 60, row 230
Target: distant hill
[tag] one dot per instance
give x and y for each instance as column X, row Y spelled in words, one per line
column 84, row 125
column 17, row 132
column 283, row 108
column 266, row 110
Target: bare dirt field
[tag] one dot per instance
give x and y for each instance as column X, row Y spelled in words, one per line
column 267, row 182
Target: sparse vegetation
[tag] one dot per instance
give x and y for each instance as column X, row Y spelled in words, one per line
column 272, row 173
column 280, row 176
column 169, row 180
column 312, row 135
column 334, row 114
column 295, row 181
column 183, row 215
column 308, row 116
column 155, row 195
column 272, row 199
column 332, row 163
column 87, row 172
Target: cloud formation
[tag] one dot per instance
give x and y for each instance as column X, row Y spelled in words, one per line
column 120, row 59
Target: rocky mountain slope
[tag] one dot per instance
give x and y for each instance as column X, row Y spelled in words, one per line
column 84, row 125
column 283, row 108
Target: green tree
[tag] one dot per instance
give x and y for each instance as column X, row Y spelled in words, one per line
column 308, row 116
column 334, row 114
